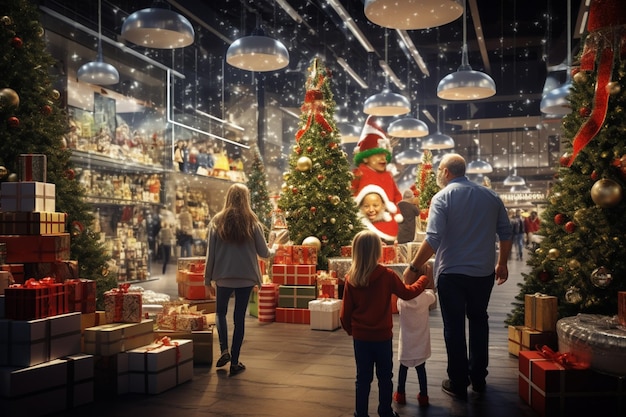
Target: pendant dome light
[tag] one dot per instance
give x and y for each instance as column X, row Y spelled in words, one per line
column 556, row 101
column 410, row 155
column 158, row 27
column 437, row 140
column 98, row 72
column 407, row 127
column 386, row 103
column 466, row 84
column 478, row 166
column 412, row 14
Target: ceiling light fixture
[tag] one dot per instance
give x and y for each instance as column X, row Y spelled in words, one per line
column 478, row 166
column 514, row 179
column 410, row 155
column 438, row 140
column 556, row 101
column 466, row 84
column 351, row 25
column 412, row 14
column 98, row 72
column 257, row 52
column 356, row 77
column 407, row 127
column 158, row 27
column 386, row 103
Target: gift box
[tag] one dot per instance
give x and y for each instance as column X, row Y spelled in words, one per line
column 345, row 252
column 268, row 300
column 36, row 248
column 28, row 196
column 160, row 366
column 296, row 296
column 32, row 167
column 327, row 286
column 540, row 312
column 36, row 299
column 524, row 338
column 325, row 314
column 193, row 286
column 80, row 380
column 32, row 223
column 389, row 255
column 554, row 390
column 59, row 270
column 31, row 342
column 122, row 306
column 339, row 267
column 295, row 255
column 293, row 315
column 81, row 295
column 294, row 274
column 113, row 338
column 181, row 321
column 111, row 375
column 202, row 343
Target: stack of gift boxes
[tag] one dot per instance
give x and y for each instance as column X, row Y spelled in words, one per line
column 539, row 329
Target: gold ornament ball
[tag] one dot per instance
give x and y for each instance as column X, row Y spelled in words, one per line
column 581, row 77
column 9, row 98
column 606, row 193
column 56, row 95
column 573, row 264
column 312, row 241
column 304, row 164
column 284, row 187
column 286, row 176
column 553, row 254
column 335, row 200
column 6, row 20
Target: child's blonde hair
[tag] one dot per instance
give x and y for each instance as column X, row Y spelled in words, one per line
column 367, row 249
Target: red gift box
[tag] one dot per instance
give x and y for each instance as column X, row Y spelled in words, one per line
column 81, row 295
column 36, row 248
column 268, row 300
column 295, row 255
column 389, row 255
column 35, row 300
column 33, row 167
column 122, row 306
column 346, row 251
column 293, row 315
column 551, row 389
column 294, row 274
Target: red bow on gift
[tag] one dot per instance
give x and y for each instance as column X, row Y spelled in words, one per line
column 567, row 360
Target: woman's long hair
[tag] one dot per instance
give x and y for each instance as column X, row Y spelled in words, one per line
column 236, row 221
column 367, row 249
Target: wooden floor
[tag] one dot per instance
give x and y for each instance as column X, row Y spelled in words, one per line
column 295, row 371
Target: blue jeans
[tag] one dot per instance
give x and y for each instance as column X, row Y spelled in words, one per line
column 368, row 355
column 222, row 297
column 461, row 296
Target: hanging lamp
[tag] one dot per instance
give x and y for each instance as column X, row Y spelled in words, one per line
column 412, row 14
column 556, row 101
column 514, row 179
column 386, row 103
column 410, row 155
column 158, row 27
column 478, row 166
column 98, row 72
column 257, row 52
column 466, row 84
column 437, row 140
column 407, row 127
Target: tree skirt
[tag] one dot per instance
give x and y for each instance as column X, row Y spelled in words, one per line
column 597, row 340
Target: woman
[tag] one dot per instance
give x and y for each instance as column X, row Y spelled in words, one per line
column 235, row 240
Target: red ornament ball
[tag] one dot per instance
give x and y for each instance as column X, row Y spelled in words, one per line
column 309, row 149
column 570, row 227
column 544, row 276
column 70, row 174
column 559, row 219
column 13, row 122
column 298, row 150
column 584, row 111
column 332, row 145
column 294, row 190
column 565, row 159
column 320, row 177
column 17, row 42
column 313, row 209
column 46, row 110
column 594, row 175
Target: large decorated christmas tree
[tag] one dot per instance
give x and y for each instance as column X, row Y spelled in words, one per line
column 259, row 196
column 32, row 120
column 582, row 258
column 425, row 187
column 316, row 196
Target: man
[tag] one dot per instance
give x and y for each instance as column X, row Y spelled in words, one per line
column 410, row 213
column 517, row 228
column 463, row 221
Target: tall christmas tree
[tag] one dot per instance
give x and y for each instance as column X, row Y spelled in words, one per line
column 425, row 186
column 32, row 121
column 316, row 195
column 582, row 258
column 259, row 196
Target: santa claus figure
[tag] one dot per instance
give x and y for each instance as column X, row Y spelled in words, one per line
column 372, row 155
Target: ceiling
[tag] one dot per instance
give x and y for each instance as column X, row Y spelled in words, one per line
column 521, row 41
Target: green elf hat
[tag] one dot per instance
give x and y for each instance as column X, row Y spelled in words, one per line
column 373, row 141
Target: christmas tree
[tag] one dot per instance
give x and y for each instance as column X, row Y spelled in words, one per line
column 32, row 121
column 425, row 186
column 315, row 196
column 259, row 197
column 582, row 258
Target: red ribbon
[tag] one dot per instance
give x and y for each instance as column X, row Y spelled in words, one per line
column 165, row 341
column 567, row 360
column 314, row 105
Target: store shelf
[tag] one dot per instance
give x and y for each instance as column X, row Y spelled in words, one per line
column 97, row 160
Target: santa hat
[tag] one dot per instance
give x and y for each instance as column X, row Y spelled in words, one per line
column 373, row 141
column 390, row 207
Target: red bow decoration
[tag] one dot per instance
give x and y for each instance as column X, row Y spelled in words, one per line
column 566, row 360
column 607, row 37
column 314, row 104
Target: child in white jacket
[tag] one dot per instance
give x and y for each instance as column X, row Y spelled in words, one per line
column 414, row 343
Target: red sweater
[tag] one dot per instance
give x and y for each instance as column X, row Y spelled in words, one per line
column 366, row 311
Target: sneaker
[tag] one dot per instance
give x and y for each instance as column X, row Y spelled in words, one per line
column 399, row 397
column 237, row 369
column 422, row 400
column 446, row 386
column 224, row 359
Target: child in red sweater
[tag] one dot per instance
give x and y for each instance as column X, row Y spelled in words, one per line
column 366, row 316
